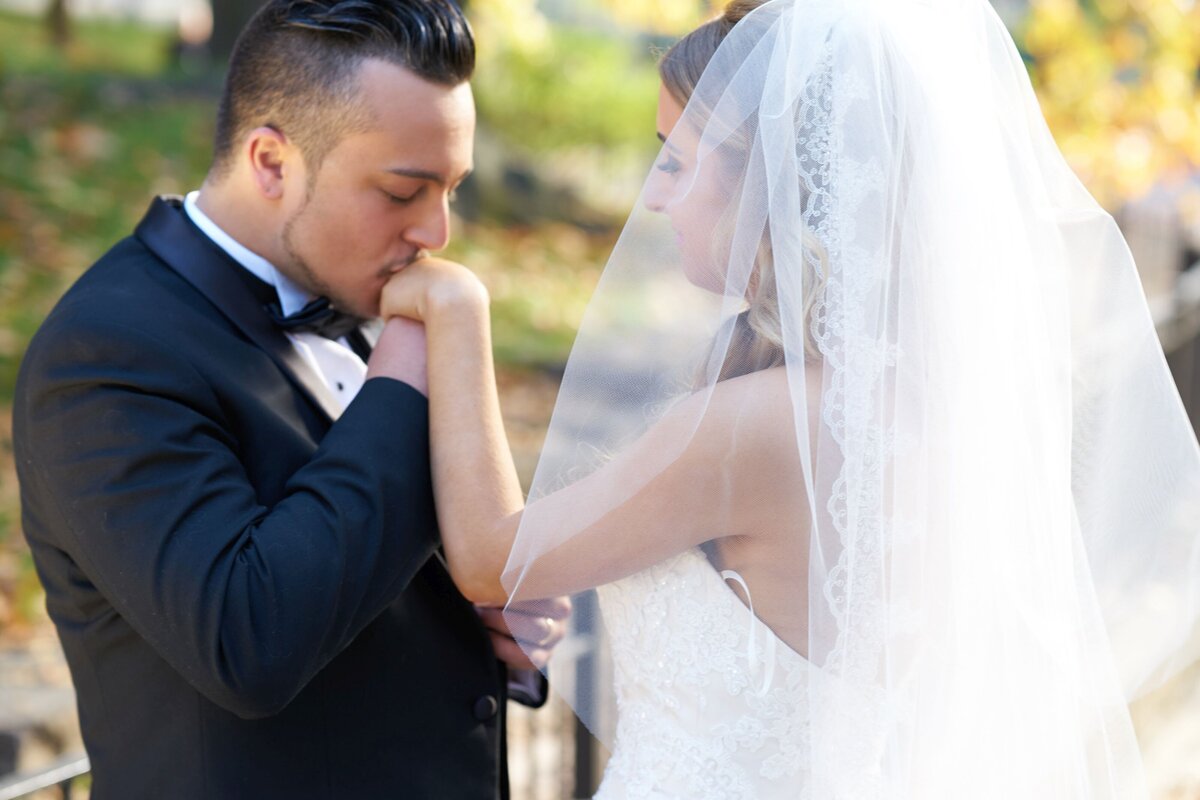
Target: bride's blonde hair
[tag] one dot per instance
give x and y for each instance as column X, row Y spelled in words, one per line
column 758, row 335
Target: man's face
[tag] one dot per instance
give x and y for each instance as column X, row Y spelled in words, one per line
column 380, row 198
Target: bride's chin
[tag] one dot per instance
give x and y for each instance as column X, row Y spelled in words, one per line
column 705, row 278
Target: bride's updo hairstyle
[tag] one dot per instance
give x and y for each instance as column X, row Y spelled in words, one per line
column 757, row 341
column 682, row 65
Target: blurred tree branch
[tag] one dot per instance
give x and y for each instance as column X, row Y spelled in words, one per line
column 229, row 17
column 58, row 22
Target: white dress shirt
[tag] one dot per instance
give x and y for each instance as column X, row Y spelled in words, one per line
column 339, row 367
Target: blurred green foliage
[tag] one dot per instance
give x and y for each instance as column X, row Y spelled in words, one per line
column 578, row 88
column 80, row 153
column 112, row 47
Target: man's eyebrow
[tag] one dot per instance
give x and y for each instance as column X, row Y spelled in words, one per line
column 425, row 175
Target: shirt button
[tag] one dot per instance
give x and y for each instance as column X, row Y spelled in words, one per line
column 486, row 708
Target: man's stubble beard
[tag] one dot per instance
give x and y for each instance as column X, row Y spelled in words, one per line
column 301, row 273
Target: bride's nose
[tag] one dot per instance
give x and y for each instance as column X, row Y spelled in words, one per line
column 656, row 194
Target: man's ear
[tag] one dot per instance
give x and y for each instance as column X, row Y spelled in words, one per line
column 270, row 153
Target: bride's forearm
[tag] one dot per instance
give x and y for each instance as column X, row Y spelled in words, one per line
column 475, row 481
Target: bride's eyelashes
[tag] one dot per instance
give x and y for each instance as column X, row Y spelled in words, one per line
column 669, row 165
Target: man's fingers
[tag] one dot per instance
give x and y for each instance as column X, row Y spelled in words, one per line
column 514, row 656
column 543, row 632
column 554, row 607
column 539, row 631
column 542, row 622
column 493, row 619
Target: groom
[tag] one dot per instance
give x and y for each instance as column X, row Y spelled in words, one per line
column 226, row 482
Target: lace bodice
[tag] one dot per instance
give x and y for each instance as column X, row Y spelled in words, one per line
column 700, row 716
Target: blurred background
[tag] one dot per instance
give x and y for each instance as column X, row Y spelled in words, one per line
column 105, row 103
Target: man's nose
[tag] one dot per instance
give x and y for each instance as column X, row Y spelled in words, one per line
column 432, row 230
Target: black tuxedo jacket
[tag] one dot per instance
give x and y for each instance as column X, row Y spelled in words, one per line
column 249, row 595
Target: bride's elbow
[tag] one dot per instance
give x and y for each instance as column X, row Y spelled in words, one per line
column 476, row 561
column 477, row 578
column 479, row 590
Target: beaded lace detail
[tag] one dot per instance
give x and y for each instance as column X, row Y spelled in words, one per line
column 694, row 717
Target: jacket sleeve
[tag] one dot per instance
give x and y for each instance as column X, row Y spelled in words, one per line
column 124, row 444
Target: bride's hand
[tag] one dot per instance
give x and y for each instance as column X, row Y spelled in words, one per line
column 432, row 286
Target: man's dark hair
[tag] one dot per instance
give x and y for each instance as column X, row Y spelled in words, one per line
column 295, row 66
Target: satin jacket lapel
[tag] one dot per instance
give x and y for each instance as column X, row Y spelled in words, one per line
column 172, row 237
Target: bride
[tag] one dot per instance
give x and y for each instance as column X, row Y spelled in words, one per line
column 866, row 444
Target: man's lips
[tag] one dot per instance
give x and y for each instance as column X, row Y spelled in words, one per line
column 398, row 266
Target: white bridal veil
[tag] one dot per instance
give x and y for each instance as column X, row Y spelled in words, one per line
column 995, row 519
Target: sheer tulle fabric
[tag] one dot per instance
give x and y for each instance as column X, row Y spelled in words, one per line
column 995, row 518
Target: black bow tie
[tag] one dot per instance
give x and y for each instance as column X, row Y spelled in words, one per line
column 319, row 316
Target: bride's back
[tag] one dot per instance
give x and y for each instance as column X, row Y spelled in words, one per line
column 772, row 559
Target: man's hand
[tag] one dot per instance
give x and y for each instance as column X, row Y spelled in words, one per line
column 524, row 636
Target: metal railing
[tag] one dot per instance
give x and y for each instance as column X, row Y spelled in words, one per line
column 62, row 773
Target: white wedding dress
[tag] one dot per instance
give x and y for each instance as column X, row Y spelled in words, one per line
column 697, row 719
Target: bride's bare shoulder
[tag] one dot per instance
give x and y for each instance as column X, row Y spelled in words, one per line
column 749, row 412
column 751, row 415
column 767, row 392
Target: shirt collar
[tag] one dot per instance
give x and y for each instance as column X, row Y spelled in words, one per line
column 291, row 297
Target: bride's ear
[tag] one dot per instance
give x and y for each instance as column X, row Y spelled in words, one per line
column 273, row 160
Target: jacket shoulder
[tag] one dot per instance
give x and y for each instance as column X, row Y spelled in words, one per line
column 128, row 283
column 127, row 309
column 128, row 289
